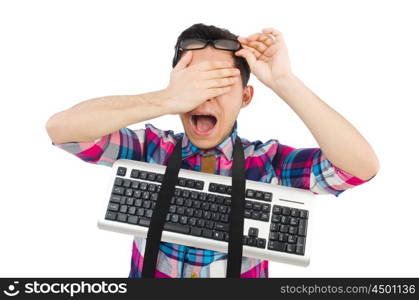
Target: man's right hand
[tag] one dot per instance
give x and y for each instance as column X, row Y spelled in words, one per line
column 190, row 86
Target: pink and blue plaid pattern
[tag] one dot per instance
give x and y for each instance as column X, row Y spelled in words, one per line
column 270, row 162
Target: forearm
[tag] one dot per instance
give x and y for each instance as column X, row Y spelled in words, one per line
column 340, row 142
column 97, row 117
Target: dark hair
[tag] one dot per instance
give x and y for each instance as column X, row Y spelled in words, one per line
column 211, row 32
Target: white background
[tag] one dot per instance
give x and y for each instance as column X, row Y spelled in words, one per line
column 358, row 56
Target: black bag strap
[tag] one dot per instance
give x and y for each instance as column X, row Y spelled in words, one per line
column 235, row 245
column 158, row 217
column 238, row 188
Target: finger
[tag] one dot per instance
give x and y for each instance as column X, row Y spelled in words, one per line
column 261, row 47
column 276, row 34
column 183, row 61
column 255, row 52
column 220, row 82
column 212, row 65
column 266, row 39
column 215, row 92
column 248, row 55
column 221, row 73
column 253, row 37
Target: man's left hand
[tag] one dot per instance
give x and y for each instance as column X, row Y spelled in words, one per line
column 267, row 55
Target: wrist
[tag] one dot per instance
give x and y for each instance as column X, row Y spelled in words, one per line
column 161, row 101
column 284, row 86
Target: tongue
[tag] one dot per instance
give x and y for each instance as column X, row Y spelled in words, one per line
column 204, row 123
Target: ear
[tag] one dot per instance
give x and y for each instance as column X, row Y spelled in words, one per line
column 247, row 96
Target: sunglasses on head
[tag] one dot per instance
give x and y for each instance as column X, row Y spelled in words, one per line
column 194, row 44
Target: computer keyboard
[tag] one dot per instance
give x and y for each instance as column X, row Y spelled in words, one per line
column 277, row 218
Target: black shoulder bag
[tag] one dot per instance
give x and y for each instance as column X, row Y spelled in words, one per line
column 235, row 244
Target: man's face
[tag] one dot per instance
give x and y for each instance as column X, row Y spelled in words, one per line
column 205, row 132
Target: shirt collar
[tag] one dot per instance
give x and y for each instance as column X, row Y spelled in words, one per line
column 225, row 147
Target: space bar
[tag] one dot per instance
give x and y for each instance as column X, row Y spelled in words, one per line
column 176, row 227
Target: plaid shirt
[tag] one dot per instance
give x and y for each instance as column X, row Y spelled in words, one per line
column 270, row 162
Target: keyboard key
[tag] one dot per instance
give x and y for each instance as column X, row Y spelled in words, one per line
column 304, row 214
column 273, row 236
column 118, row 190
column 181, row 181
column 183, row 220
column 292, row 239
column 256, row 215
column 194, row 195
column 293, row 230
column 299, row 249
column 275, row 226
column 135, row 173
column 276, row 210
column 221, row 189
column 132, row 210
column 222, row 226
column 295, row 212
column 175, row 218
column 267, row 196
column 294, row 222
column 196, row 231
column 143, row 175
column 264, row 217
column 133, row 219
column 140, row 212
column 291, row 248
column 110, row 215
column 261, row 243
column 190, row 183
column 144, row 222
column 285, row 220
column 247, row 213
column 148, row 213
column 207, row 233
column 159, row 178
column 121, row 171
column 302, row 228
column 212, row 187
column 143, row 186
column 250, row 193
column 224, row 218
column 254, row 232
column 278, row 246
column 135, row 184
column 113, row 207
column 130, row 201
column 252, row 241
column 118, row 181
column 218, row 235
column 284, row 228
column 127, row 183
column 259, row 195
column 123, row 209
column 286, row 211
column 209, row 224
column 266, row 208
column 151, row 176
column 257, row 206
column 122, row 217
column 199, row 184
column 282, row 237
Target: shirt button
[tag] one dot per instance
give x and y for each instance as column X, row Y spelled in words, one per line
column 194, row 275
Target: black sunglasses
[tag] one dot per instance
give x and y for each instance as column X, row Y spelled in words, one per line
column 194, row 44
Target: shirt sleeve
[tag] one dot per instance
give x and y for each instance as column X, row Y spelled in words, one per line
column 124, row 143
column 308, row 168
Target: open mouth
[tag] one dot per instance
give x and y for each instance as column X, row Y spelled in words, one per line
column 203, row 124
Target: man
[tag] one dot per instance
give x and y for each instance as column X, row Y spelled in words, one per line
column 207, row 89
